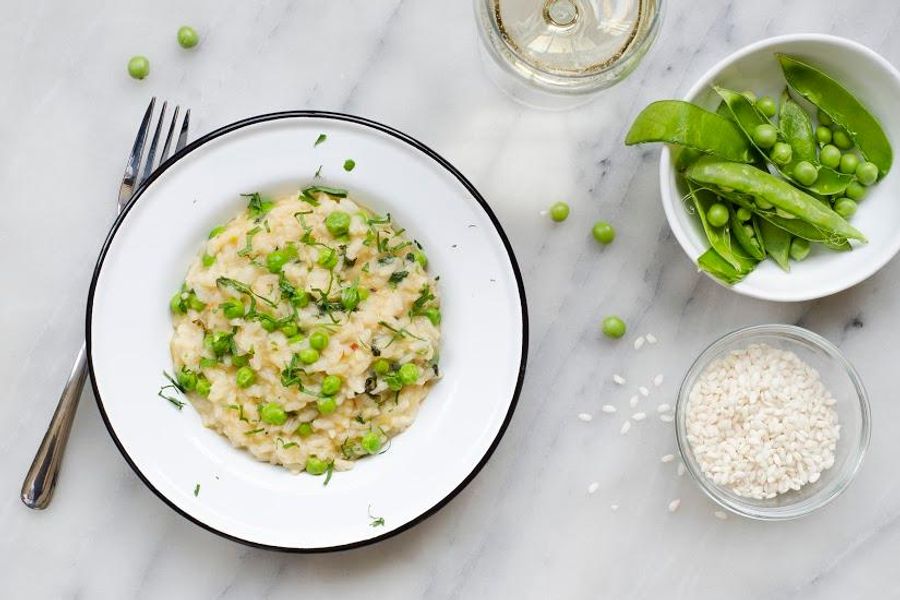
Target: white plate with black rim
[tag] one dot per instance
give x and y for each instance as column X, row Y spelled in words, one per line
column 483, row 347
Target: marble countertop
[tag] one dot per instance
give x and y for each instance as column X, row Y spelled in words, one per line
column 526, row 527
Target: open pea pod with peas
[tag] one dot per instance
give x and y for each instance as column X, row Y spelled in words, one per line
column 842, row 107
column 779, row 150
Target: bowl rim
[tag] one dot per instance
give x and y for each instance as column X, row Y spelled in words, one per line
column 441, row 162
column 670, row 197
column 711, row 490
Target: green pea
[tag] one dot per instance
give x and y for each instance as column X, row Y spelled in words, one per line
column 290, row 329
column 764, row 136
column 767, row 106
column 268, row 323
column 138, row 67
column 845, row 207
column 316, row 466
column 781, row 153
column 338, row 223
column 203, row 386
column 208, row 363
column 300, row 299
column 327, row 258
column 308, row 356
column 216, row 231
column 275, row 260
column 749, row 96
column 272, row 413
column 867, row 173
column 409, row 374
column 363, row 293
column 245, row 377
column 331, row 385
column 830, row 156
column 420, row 258
column 187, row 37
column 849, row 163
column 717, row 215
column 381, row 366
column 349, row 164
column 350, row 298
column 371, row 442
column 799, row 248
column 559, row 211
column 823, row 134
column 841, row 139
column 613, row 327
column 208, row 260
column 327, row 405
column 177, row 304
column 187, row 379
column 433, row 315
column 318, row 340
column 823, row 118
column 855, row 191
column 240, row 360
column 805, row 173
column 220, row 342
column 603, row 232
column 743, row 214
column 304, row 429
column 232, row 308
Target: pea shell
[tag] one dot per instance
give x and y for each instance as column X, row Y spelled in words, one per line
column 719, row 237
column 842, row 106
column 750, row 181
column 797, row 129
column 796, row 227
column 685, row 124
column 748, row 118
column 778, row 243
column 750, row 244
column 713, row 263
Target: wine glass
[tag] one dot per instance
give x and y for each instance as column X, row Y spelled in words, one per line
column 555, row 53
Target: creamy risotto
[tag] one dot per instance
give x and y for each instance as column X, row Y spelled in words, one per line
column 307, row 331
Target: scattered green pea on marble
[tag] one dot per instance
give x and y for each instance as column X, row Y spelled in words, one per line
column 138, row 67
column 613, row 327
column 559, row 211
column 603, row 232
column 187, row 36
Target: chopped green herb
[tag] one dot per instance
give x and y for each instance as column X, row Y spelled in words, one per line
column 196, row 490
column 322, row 137
column 328, row 472
column 318, row 172
column 216, row 231
column 243, row 288
column 208, row 260
column 376, row 521
column 349, row 164
column 257, row 207
column 396, row 277
column 253, row 431
column 324, row 189
column 172, row 399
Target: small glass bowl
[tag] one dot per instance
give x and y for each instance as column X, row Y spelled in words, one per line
column 852, row 407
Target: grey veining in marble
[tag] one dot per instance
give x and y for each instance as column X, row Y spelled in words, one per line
column 526, row 527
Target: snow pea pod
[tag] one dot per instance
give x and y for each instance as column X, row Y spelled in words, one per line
column 837, row 102
column 719, row 237
column 797, row 129
column 828, row 181
column 684, row 124
column 750, row 241
column 713, row 263
column 795, row 227
column 767, row 188
column 778, row 243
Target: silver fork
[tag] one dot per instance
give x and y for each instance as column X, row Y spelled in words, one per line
column 37, row 489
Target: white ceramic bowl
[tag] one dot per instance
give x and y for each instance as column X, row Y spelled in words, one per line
column 483, row 347
column 871, row 79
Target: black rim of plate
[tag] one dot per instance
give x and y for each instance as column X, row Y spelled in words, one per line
column 403, row 138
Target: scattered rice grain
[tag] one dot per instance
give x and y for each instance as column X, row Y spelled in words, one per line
column 638, row 343
column 674, row 504
column 625, row 427
column 585, row 417
column 619, row 379
column 608, row 409
column 638, row 416
column 658, row 380
column 667, row 458
column 593, row 487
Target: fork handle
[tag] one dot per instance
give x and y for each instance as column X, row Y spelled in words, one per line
column 37, row 489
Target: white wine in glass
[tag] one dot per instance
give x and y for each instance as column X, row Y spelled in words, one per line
column 568, row 47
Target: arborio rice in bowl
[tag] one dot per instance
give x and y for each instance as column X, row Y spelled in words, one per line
column 307, row 330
